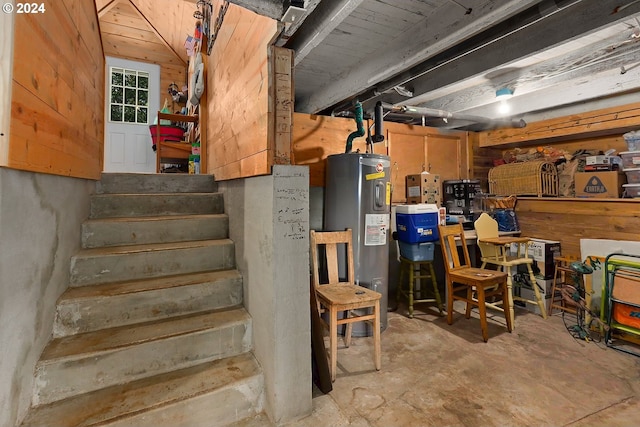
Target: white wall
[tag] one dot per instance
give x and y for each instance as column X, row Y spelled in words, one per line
column 269, row 224
column 40, row 220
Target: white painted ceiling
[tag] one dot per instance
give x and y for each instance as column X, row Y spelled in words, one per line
column 558, row 57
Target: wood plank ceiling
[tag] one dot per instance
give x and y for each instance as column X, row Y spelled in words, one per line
column 146, row 30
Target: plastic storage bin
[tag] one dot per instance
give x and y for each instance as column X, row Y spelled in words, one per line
column 417, row 251
column 417, row 223
column 633, row 175
column 633, row 140
column 632, row 190
column 630, row 159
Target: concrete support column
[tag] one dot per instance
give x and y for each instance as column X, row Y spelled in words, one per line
column 269, row 224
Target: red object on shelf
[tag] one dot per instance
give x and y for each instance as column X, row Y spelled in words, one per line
column 167, row 133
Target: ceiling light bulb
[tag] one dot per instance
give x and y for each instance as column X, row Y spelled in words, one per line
column 504, row 93
column 504, row 108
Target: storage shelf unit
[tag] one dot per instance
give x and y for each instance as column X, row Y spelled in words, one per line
column 621, row 300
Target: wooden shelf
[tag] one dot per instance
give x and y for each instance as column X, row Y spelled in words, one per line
column 177, row 117
column 172, row 151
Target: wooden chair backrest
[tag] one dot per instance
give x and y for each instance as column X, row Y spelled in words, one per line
column 487, row 227
column 448, row 235
column 331, row 240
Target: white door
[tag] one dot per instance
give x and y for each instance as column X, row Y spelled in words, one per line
column 132, row 97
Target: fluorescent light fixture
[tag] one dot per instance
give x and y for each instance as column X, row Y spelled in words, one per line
column 504, row 93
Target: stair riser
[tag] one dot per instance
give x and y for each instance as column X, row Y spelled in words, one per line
column 92, row 314
column 97, row 234
column 222, row 407
column 132, row 205
column 62, row 378
column 148, row 264
column 158, row 183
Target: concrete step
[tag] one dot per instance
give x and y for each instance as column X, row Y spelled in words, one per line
column 79, row 364
column 131, row 205
column 135, row 262
column 141, row 230
column 91, row 308
column 221, row 392
column 155, row 183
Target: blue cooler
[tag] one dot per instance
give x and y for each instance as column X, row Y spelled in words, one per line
column 417, row 223
column 417, row 228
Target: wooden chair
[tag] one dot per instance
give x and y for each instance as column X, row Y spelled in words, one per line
column 498, row 253
column 342, row 295
column 461, row 276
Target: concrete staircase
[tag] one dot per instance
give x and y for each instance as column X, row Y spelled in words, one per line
column 151, row 331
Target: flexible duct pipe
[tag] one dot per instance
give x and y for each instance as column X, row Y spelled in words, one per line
column 419, row 112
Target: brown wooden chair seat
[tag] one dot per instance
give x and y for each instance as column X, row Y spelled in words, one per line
column 342, row 295
column 461, row 276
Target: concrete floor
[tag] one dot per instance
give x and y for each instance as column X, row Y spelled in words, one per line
column 434, row 374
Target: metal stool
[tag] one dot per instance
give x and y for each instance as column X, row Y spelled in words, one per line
column 418, row 270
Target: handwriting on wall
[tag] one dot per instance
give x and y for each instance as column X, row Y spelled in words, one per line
column 291, row 204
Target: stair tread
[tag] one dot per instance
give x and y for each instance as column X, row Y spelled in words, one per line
column 132, row 286
column 149, row 247
column 81, row 345
column 152, row 392
column 156, row 218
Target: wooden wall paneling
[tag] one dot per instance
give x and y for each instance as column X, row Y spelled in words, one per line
column 83, row 15
column 316, row 137
column 104, row 7
column 203, row 123
column 161, row 36
column 614, row 120
column 46, row 141
column 123, row 15
column 58, row 96
column 280, row 105
column 111, row 24
column 170, row 18
column 138, row 50
column 171, row 74
column 444, row 154
column 482, row 160
column 238, row 112
column 6, row 69
column 569, row 220
column 408, row 153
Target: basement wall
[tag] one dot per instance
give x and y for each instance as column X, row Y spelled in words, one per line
column 40, row 225
column 51, row 144
column 269, row 224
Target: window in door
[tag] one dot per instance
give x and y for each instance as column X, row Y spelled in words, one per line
column 129, row 96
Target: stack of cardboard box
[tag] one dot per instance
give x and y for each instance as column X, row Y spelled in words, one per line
column 424, row 188
column 603, row 177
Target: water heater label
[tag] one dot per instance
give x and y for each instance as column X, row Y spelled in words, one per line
column 376, row 226
column 371, row 176
column 388, row 197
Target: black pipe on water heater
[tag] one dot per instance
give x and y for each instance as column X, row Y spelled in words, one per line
column 378, row 117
